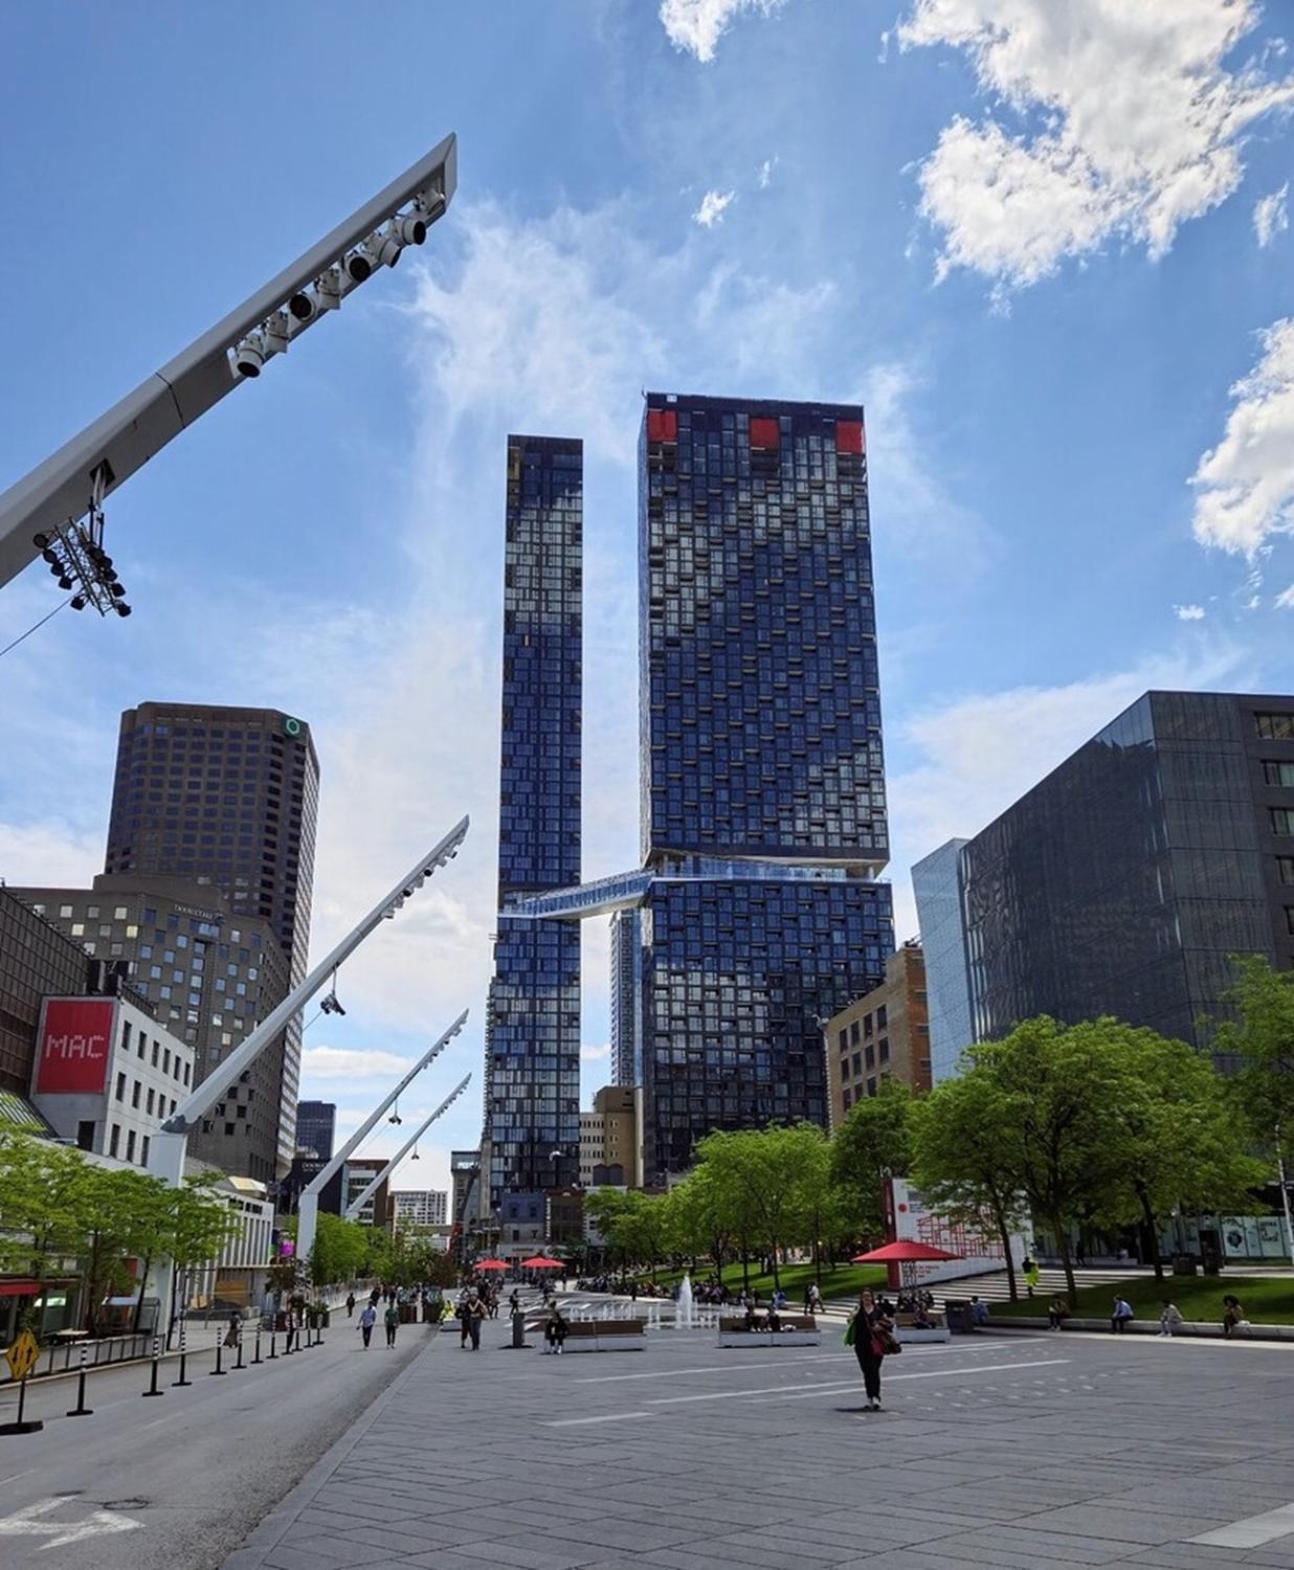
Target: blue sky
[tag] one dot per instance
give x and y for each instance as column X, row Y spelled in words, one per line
column 1046, row 246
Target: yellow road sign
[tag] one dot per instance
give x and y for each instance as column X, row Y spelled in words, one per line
column 21, row 1356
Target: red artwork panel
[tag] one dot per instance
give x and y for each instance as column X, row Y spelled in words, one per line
column 849, row 436
column 765, row 434
column 662, row 425
column 75, row 1045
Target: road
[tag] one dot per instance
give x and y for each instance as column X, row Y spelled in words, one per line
column 197, row 1469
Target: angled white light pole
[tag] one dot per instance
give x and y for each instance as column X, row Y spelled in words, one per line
column 356, row 1205
column 50, row 501
column 166, row 1153
column 308, row 1204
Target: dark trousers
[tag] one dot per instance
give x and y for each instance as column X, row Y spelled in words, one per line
column 871, row 1367
column 1116, row 1325
column 390, row 1335
column 476, row 1335
column 465, row 1330
column 367, row 1332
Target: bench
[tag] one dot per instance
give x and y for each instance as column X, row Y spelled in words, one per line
column 906, row 1331
column 603, row 1335
column 797, row 1330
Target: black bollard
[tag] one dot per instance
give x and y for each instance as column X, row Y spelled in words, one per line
column 20, row 1424
column 239, row 1362
column 184, row 1359
column 80, row 1409
column 273, row 1335
column 152, row 1387
column 219, row 1368
column 257, row 1358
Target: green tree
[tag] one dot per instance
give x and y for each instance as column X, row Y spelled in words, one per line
column 765, row 1171
column 700, row 1217
column 1259, row 1039
column 194, row 1224
column 964, row 1156
column 874, row 1142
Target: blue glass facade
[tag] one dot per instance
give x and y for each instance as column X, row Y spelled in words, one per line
column 533, row 1016
column 761, row 741
column 626, row 995
column 936, row 883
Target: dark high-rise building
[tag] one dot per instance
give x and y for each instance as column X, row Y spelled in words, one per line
column 37, row 961
column 764, row 820
column 227, row 798
column 626, row 997
column 316, row 1127
column 532, row 1127
column 1124, row 881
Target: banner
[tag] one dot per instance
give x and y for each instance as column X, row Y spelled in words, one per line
column 75, row 1045
column 978, row 1250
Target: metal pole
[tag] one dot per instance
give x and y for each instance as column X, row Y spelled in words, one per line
column 356, row 1205
column 152, row 1388
column 80, row 1409
column 184, row 1360
column 257, row 1354
column 273, row 1353
column 239, row 1343
column 219, row 1368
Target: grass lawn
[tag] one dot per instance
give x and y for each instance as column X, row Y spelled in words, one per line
column 843, row 1281
column 1266, row 1301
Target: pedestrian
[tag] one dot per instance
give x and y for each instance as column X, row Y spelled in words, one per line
column 1057, row 1312
column 514, row 1302
column 391, row 1319
column 1233, row 1316
column 234, row 1333
column 1170, row 1318
column 978, row 1312
column 1120, row 1314
column 350, row 1305
column 464, row 1318
column 475, row 1314
column 366, row 1322
column 869, row 1334
column 1031, row 1274
column 555, row 1329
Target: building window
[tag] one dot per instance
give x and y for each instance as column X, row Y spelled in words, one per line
column 871, row 1086
column 848, row 1097
column 114, row 1139
column 844, row 1068
column 884, row 1051
column 1276, row 772
column 1285, row 869
column 149, row 1104
column 870, row 1054
column 1282, row 819
column 130, row 1144
column 853, row 1034
column 121, row 1088
column 85, row 1135
column 135, row 1094
column 843, row 1040
column 143, row 1151
column 858, row 1063
column 1275, row 727
column 1289, row 919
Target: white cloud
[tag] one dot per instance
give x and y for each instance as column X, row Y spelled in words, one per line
column 1132, row 126
column 351, row 1063
column 590, row 1053
column 697, row 25
column 49, row 852
column 1245, row 485
column 1270, row 216
column 1285, row 599
column 1189, row 612
column 765, row 175
column 713, row 206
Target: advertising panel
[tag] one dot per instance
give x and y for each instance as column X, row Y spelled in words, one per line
column 978, row 1249
column 75, row 1045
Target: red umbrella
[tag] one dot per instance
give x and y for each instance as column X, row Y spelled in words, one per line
column 491, row 1264
column 540, row 1263
column 902, row 1251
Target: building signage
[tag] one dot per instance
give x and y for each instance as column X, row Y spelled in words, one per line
column 75, row 1045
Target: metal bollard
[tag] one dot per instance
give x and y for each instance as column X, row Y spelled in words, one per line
column 273, row 1337
column 219, row 1368
column 257, row 1354
column 239, row 1363
column 80, row 1409
column 184, row 1360
column 152, row 1388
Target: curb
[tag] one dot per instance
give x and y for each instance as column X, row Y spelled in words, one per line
column 1190, row 1330
column 274, row 1527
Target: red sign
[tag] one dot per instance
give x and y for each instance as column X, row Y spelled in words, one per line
column 75, row 1046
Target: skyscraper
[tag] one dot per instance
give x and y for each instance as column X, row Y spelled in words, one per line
column 225, row 797
column 532, row 1109
column 764, row 820
column 316, row 1127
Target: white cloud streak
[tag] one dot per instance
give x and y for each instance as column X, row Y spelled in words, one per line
column 1189, row 612
column 1271, row 216
column 713, row 206
column 1245, row 485
column 695, row 26
column 1285, row 599
column 1131, row 125
column 351, row 1063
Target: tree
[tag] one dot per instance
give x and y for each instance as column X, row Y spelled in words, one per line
column 196, row 1223
column 964, row 1156
column 822, row 1206
column 764, row 1170
column 1260, row 1042
column 700, row 1217
column 873, row 1143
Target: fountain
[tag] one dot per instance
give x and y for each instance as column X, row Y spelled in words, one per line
column 684, row 1312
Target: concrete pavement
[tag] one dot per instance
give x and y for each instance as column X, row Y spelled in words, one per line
column 1011, row 1453
column 176, row 1483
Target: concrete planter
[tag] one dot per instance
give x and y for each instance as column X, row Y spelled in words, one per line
column 1148, row 1327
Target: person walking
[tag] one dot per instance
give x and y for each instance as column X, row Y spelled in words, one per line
column 366, row 1322
column 391, row 1319
column 234, row 1333
column 475, row 1314
column 1120, row 1314
column 464, row 1318
column 350, row 1305
column 1170, row 1318
column 870, row 1340
column 1032, row 1275
column 555, row 1330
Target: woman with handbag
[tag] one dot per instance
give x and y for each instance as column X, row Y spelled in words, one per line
column 871, row 1340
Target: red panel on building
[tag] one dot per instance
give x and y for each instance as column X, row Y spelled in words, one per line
column 662, row 425
column 765, row 433
column 849, row 436
column 75, row 1044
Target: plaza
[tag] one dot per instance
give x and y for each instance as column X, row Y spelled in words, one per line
column 1006, row 1452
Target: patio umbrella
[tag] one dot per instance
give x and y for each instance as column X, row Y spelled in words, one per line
column 901, row 1252
column 539, row 1262
column 491, row 1264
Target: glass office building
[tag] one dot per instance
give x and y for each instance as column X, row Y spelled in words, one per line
column 760, row 746
column 1122, row 883
column 532, row 1127
column 936, row 883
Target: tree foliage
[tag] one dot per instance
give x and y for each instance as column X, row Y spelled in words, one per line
column 873, row 1143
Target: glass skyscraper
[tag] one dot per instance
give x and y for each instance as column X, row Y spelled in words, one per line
column 936, row 883
column 532, row 1109
column 763, row 799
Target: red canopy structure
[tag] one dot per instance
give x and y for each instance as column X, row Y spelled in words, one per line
column 491, row 1264
column 540, row 1263
column 901, row 1252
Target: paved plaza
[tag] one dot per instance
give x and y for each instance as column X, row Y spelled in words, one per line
column 1006, row 1452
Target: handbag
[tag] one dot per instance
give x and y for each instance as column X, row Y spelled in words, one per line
column 851, row 1331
